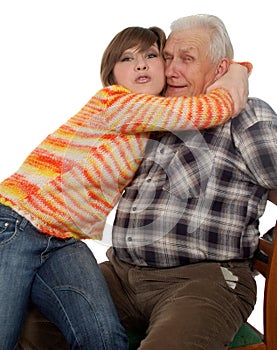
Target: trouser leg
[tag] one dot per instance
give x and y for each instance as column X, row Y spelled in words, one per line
column 20, row 247
column 124, row 298
column 192, row 307
column 203, row 311
column 40, row 334
column 70, row 290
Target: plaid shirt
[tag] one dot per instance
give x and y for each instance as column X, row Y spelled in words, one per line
column 198, row 195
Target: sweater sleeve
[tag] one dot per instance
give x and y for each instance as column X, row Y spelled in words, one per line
column 127, row 112
column 247, row 65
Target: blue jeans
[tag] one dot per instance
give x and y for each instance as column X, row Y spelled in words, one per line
column 62, row 279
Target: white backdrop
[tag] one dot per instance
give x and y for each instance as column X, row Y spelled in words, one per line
column 50, row 58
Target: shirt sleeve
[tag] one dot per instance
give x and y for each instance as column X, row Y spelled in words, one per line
column 255, row 135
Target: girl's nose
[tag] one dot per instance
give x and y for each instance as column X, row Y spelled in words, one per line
column 141, row 66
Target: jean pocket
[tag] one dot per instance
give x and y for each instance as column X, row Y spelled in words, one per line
column 7, row 228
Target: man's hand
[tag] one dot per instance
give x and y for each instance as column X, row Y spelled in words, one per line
column 236, row 82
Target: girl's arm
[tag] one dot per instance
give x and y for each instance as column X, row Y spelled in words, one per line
column 133, row 113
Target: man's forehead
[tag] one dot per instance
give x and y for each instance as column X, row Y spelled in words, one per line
column 188, row 40
column 181, row 48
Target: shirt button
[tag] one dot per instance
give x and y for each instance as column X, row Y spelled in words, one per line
column 162, row 150
column 129, row 239
column 148, row 180
column 134, row 209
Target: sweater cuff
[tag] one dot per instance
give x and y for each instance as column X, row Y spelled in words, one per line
column 247, row 65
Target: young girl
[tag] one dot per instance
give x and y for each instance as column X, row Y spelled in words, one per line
column 66, row 187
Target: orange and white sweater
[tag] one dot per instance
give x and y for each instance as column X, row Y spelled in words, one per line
column 68, row 185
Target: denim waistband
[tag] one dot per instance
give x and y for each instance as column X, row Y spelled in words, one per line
column 22, row 222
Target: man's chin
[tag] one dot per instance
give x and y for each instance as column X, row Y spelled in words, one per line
column 176, row 91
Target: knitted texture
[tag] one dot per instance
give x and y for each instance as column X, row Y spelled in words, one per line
column 68, row 185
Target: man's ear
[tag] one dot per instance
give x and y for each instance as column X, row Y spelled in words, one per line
column 222, row 68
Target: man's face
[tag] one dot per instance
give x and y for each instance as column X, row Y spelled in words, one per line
column 189, row 71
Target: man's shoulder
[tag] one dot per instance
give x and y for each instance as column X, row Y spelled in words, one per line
column 256, row 110
column 259, row 105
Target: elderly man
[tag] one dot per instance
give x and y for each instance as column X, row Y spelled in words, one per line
column 186, row 227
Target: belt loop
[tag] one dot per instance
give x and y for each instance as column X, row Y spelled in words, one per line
column 22, row 224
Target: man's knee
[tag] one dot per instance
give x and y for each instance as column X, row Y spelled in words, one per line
column 40, row 334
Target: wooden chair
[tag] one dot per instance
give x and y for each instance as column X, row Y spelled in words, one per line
column 266, row 264
column 248, row 338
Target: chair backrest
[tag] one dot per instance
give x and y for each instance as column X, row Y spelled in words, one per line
column 266, row 264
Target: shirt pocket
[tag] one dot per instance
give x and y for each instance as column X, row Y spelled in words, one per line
column 189, row 171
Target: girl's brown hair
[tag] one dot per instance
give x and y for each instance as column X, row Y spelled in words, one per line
column 129, row 37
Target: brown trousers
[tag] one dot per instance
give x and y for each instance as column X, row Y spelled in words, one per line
column 193, row 307
column 41, row 334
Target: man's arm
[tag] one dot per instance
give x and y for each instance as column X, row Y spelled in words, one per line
column 254, row 133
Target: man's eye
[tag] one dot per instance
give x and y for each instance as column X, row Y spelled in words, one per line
column 187, row 59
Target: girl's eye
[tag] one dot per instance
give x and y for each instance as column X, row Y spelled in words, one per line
column 125, row 59
column 151, row 55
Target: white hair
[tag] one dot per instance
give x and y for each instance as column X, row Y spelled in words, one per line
column 220, row 44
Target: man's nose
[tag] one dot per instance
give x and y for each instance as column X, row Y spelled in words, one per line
column 171, row 69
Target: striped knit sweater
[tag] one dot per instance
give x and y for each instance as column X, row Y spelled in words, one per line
column 68, row 185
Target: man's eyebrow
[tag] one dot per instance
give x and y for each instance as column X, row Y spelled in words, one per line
column 187, row 49
column 182, row 51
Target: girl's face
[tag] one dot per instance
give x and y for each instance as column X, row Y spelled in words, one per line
column 141, row 72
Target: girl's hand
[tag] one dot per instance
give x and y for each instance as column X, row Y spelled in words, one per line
column 236, row 82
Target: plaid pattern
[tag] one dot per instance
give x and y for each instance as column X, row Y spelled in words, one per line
column 198, row 195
